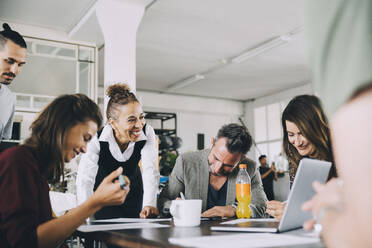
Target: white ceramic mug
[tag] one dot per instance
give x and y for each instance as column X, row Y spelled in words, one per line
column 186, row 212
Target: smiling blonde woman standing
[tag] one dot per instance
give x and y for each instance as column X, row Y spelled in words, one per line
column 305, row 134
column 124, row 141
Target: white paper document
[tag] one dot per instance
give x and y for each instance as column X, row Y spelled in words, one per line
column 103, row 227
column 237, row 221
column 61, row 202
column 243, row 240
column 132, row 220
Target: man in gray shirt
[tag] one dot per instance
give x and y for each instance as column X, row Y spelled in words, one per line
column 211, row 174
column 13, row 52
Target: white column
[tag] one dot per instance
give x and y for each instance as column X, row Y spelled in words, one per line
column 119, row 21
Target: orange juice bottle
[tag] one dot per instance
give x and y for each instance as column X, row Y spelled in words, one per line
column 243, row 193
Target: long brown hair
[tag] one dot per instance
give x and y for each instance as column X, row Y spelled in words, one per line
column 306, row 112
column 50, row 127
column 119, row 94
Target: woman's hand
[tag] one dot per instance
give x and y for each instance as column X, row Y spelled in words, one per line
column 148, row 212
column 53, row 232
column 328, row 197
column 109, row 192
column 275, row 209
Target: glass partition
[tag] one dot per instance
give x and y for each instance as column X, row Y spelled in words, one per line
column 53, row 68
column 268, row 130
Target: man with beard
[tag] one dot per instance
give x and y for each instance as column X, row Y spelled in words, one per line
column 210, row 175
column 13, row 52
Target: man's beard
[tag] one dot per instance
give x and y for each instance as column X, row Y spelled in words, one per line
column 221, row 174
column 7, row 81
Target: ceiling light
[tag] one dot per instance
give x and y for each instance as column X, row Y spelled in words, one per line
column 281, row 40
column 263, row 47
column 268, row 45
column 186, row 82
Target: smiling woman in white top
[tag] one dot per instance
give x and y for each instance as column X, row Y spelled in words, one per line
column 124, row 141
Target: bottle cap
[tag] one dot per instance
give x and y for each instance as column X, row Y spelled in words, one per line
column 242, row 166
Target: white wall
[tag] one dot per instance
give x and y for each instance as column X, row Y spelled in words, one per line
column 283, row 95
column 194, row 115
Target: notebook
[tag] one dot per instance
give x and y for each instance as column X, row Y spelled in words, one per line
column 309, row 170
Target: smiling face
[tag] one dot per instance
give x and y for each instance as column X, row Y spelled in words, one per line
column 12, row 58
column 221, row 161
column 296, row 138
column 129, row 122
column 77, row 138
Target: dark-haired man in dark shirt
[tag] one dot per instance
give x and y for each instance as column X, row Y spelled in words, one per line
column 268, row 175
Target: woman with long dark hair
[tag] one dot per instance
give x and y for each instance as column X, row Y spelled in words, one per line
column 305, row 134
column 60, row 132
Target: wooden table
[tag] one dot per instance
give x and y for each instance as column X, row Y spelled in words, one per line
column 158, row 237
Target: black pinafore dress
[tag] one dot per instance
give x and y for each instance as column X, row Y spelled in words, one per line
column 132, row 205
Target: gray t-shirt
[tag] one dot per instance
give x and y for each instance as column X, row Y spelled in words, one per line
column 340, row 35
column 7, row 108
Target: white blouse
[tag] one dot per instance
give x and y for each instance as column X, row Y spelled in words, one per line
column 88, row 166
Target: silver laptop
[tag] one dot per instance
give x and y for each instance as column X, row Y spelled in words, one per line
column 309, row 170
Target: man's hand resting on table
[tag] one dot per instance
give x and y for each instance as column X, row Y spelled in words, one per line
column 149, row 212
column 219, row 211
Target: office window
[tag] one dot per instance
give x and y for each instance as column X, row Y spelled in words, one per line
column 260, row 124
column 268, row 129
column 273, row 121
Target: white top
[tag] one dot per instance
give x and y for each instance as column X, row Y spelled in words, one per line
column 7, row 103
column 88, row 166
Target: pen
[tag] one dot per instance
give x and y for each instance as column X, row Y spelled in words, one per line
column 122, row 182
